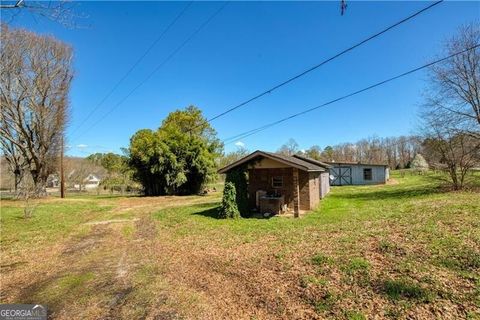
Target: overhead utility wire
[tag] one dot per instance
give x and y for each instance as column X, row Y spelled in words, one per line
column 264, row 127
column 324, row 62
column 140, row 59
column 203, row 25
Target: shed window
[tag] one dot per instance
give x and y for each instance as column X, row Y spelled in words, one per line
column 367, row 174
column 277, row 182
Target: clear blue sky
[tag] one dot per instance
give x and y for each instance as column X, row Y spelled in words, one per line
column 247, row 48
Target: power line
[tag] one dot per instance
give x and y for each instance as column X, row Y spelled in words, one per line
column 140, row 59
column 18, row 4
column 324, row 62
column 192, row 35
column 264, row 127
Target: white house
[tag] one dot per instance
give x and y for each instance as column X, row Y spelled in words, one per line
column 92, row 181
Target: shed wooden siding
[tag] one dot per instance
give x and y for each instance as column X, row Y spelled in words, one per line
column 379, row 174
column 324, row 184
column 314, row 189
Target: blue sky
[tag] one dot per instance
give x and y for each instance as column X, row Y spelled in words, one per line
column 247, row 48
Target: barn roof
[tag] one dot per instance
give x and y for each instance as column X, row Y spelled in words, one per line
column 320, row 163
column 301, row 163
column 333, row 163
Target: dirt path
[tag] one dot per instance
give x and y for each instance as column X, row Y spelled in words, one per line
column 92, row 274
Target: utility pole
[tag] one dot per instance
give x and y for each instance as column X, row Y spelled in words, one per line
column 62, row 174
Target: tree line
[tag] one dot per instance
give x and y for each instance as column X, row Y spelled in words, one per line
column 396, row 152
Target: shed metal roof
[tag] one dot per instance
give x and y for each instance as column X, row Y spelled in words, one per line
column 333, row 163
column 320, row 163
column 292, row 161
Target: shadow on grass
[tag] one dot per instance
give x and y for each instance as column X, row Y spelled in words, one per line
column 404, row 289
column 390, row 194
column 210, row 212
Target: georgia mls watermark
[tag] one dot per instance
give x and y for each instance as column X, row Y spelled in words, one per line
column 23, row 312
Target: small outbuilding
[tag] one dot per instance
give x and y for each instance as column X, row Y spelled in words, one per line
column 279, row 183
column 356, row 173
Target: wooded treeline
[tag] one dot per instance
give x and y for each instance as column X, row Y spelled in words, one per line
column 396, row 152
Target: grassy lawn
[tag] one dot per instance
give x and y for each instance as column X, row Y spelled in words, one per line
column 403, row 250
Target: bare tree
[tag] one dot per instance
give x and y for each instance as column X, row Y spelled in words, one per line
column 314, row 152
column 231, row 157
column 35, row 76
column 454, row 91
column 16, row 162
column 451, row 114
column 61, row 11
column 455, row 152
column 397, row 152
column 26, row 192
column 289, row 148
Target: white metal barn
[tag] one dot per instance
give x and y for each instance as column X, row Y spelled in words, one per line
column 348, row 173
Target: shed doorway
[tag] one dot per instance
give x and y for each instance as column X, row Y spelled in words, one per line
column 343, row 176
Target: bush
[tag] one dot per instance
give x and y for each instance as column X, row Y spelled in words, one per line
column 419, row 164
column 239, row 178
column 229, row 205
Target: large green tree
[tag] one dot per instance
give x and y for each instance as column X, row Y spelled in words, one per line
column 178, row 158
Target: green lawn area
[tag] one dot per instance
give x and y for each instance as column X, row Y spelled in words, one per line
column 408, row 249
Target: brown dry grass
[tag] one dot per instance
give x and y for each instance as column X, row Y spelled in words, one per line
column 169, row 258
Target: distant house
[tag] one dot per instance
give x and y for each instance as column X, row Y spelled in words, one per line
column 279, row 183
column 356, row 173
column 53, row 181
column 91, row 181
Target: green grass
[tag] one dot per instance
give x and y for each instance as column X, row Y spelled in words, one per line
column 357, row 265
column 50, row 221
column 345, row 210
column 387, row 247
column 405, row 289
column 71, row 284
column 320, row 259
column 404, row 244
column 354, row 315
column 312, row 280
column 326, row 302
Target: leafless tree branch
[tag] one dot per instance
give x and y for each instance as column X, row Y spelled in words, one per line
column 35, row 78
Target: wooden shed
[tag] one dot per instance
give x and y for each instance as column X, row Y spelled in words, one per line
column 356, row 173
column 279, row 183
